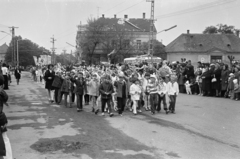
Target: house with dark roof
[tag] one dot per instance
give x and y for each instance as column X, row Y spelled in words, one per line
column 3, row 51
column 207, row 48
column 138, row 28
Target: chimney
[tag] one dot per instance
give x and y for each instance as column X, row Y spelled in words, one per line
column 115, row 16
column 125, row 16
column 188, row 31
column 103, row 15
column 144, row 15
column 237, row 33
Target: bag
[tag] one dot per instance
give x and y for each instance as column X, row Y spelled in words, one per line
column 214, row 79
column 4, row 95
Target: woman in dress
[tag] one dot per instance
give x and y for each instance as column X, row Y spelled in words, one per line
column 49, row 77
column 17, row 74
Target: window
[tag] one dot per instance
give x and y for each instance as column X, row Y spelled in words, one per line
column 138, row 44
column 126, row 44
column 215, row 59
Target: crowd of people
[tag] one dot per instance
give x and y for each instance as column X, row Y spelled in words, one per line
column 136, row 86
column 111, row 88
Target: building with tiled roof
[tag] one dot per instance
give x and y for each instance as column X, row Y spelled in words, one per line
column 3, row 51
column 206, row 48
column 138, row 27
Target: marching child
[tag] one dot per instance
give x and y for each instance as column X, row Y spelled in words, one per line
column 236, row 89
column 93, row 91
column 135, row 92
column 173, row 91
column 153, row 93
column 162, row 90
column 65, row 89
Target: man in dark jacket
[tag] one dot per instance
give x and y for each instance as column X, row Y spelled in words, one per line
column 106, row 90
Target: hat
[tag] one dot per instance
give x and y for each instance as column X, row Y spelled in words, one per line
column 231, row 74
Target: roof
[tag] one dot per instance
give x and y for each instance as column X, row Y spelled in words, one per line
column 3, row 48
column 132, row 24
column 204, row 43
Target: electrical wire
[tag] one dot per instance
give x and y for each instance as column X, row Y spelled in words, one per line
column 3, row 37
column 114, row 6
column 130, row 7
column 194, row 9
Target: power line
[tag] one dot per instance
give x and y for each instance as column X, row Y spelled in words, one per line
column 130, row 7
column 4, row 25
column 114, row 6
column 3, row 37
column 194, row 9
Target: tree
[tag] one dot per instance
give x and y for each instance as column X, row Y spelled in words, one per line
column 211, row 30
column 91, row 38
column 26, row 49
column 220, row 29
column 158, row 49
column 102, row 38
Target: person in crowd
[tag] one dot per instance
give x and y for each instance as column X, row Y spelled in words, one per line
column 135, row 92
column 93, row 90
column 5, row 75
column 65, row 90
column 230, row 89
column 153, row 93
column 80, row 88
column 199, row 82
column 224, row 80
column 122, row 93
column 86, row 93
column 145, row 82
column 49, row 77
column 57, row 84
column 106, row 90
column 188, row 88
column 17, row 74
column 206, row 81
column 173, row 91
column 162, row 91
column 216, row 84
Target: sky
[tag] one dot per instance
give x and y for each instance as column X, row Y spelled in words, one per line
column 39, row 20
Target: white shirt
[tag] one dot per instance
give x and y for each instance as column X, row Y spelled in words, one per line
column 135, row 91
column 172, row 88
column 4, row 70
column 162, row 88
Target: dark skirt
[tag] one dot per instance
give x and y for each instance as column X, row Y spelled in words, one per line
column 48, row 85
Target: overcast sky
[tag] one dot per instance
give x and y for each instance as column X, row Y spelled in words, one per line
column 39, row 20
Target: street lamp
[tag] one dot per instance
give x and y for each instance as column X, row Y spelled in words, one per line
column 6, row 33
column 167, row 29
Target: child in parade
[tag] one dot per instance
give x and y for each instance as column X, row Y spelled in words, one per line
column 162, row 91
column 135, row 92
column 79, row 90
column 106, row 90
column 173, row 91
column 122, row 93
column 93, row 90
column 146, row 94
column 65, row 89
column 153, row 93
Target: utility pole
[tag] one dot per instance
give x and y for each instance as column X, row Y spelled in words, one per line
column 14, row 58
column 151, row 32
column 64, row 57
column 53, row 50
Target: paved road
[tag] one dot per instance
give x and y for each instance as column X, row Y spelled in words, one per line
column 202, row 128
